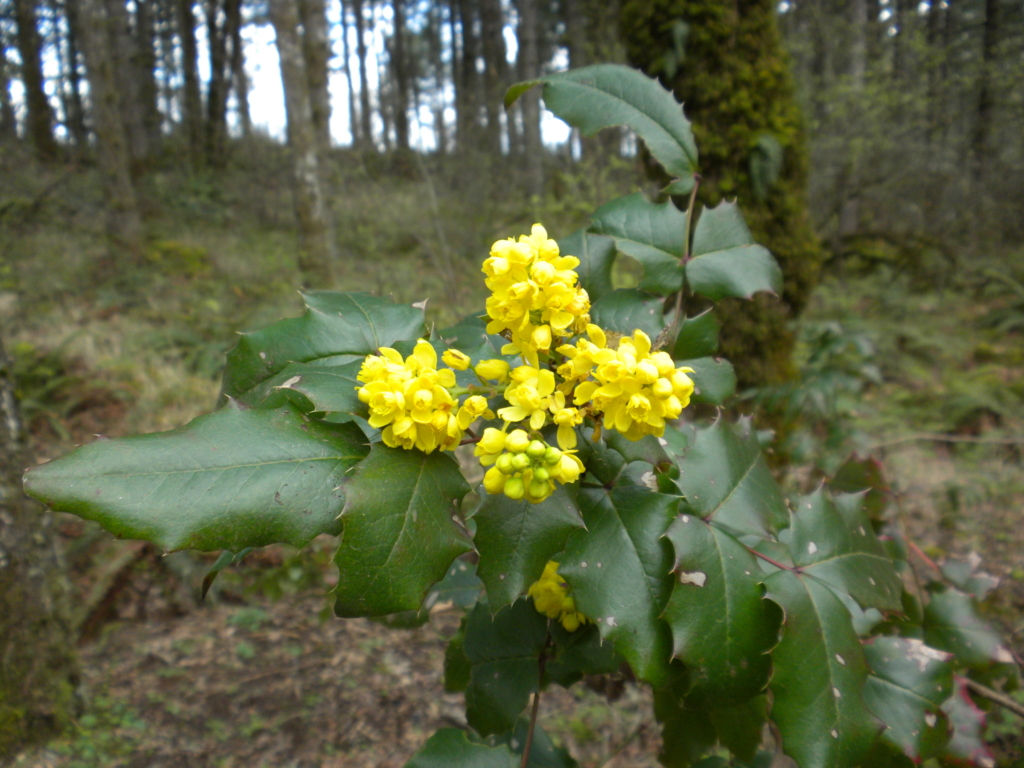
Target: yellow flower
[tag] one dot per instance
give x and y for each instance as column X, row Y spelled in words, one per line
column 472, row 409
column 453, row 358
column 529, row 396
column 551, row 597
column 566, row 419
column 493, row 370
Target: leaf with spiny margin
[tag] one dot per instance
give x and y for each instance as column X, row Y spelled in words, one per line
column 724, row 478
column 451, row 748
column 714, row 379
column 687, row 733
column 819, row 676
column 470, row 335
column 579, row 653
column 516, row 539
column 597, row 257
column 968, row 723
column 722, row 627
column 399, row 536
column 605, row 95
column 460, row 586
column 647, row 448
column 952, row 623
column 698, row 337
column 335, row 324
column 863, row 474
column 503, row 651
column 624, row 310
column 457, row 667
column 726, row 261
column 740, row 728
column 232, row 479
column 325, row 388
column 652, row 233
column 543, row 753
column 618, row 570
column 906, row 692
column 832, row 539
column 225, row 559
column 604, row 464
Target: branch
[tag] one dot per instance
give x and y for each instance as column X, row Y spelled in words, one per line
column 536, row 701
column 994, row 696
column 943, row 438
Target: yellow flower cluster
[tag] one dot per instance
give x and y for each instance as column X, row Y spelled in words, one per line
column 535, row 294
column 412, row 399
column 532, row 395
column 551, row 597
column 522, row 468
column 637, row 391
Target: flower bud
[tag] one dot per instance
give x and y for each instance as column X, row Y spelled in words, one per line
column 552, row 455
column 494, row 480
column 514, row 488
column 492, row 370
column 540, row 473
column 520, row 461
column 493, row 441
column 538, row 489
column 517, row 441
column 569, row 468
column 453, row 358
column 536, row 449
column 662, row 388
column 542, row 272
column 504, row 463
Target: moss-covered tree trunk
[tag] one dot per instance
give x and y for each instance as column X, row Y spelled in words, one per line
column 37, row 660
column 726, row 63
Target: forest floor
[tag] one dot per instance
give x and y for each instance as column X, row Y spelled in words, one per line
column 261, row 674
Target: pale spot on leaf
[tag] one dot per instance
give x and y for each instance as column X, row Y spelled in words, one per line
column 812, row 548
column 697, row 578
column 930, row 719
column 840, row 659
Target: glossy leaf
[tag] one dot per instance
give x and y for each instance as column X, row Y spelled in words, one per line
column 863, row 474
column 579, row 653
column 605, row 95
column 697, row 337
column 911, row 681
column 618, row 569
column 326, row 388
column 722, row 627
column 335, row 324
column 714, row 379
column 832, row 539
column 951, row 623
column 503, row 651
column 726, row 261
column 740, row 728
column 460, row 587
column 687, row 733
column 543, row 753
column 647, row 448
column 457, row 667
column 627, row 309
column 451, row 748
column 516, row 539
column 652, row 233
column 968, row 723
column 400, row 537
column 724, row 478
column 597, row 257
column 819, row 677
column 232, row 479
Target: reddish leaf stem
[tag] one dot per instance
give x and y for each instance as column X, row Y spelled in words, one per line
column 776, row 563
column 536, row 701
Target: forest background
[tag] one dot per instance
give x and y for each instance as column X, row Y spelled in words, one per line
column 144, row 219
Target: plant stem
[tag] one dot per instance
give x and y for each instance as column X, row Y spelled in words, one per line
column 536, row 701
column 776, row 563
column 678, row 319
column 994, row 696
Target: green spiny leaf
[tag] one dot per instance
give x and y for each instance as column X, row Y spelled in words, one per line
column 968, row 723
column 740, row 728
column 327, row 388
column 698, row 337
column 618, row 569
column 626, row 309
column 687, row 733
column 597, row 257
column 726, row 260
column 399, row 537
column 451, row 748
column 714, row 379
column 952, row 623
column 722, row 627
column 232, row 479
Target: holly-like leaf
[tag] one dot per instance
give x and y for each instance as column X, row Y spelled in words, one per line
column 597, row 257
column 399, row 536
column 334, row 325
column 951, row 623
column 652, row 233
column 504, row 652
column 451, row 748
column 740, row 728
column 605, row 95
column 232, row 479
column 968, row 723
column 722, row 627
column 627, row 309
column 687, row 733
column 516, row 539
column 326, row 388
column 726, row 260
column 863, row 474
column 819, row 677
column 698, row 337
column 460, row 587
column 968, row 577
column 724, row 478
column 543, row 753
column 618, row 569
column 457, row 667
column 911, row 681
column 832, row 539
column 714, row 379
column 579, row 653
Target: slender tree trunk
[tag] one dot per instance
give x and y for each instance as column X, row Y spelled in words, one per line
column 436, row 49
column 316, row 231
column 459, row 92
column 529, row 50
column 399, row 67
column 145, row 47
column 495, row 71
column 849, row 209
column 76, row 110
column 217, row 90
column 38, row 670
column 125, row 49
column 576, row 33
column 124, row 222
column 192, row 102
column 366, row 129
column 980, row 141
column 316, row 49
column 39, row 122
column 8, row 121
column 239, row 79
column 470, row 87
column 353, row 118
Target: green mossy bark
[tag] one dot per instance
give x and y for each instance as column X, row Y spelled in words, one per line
column 735, row 84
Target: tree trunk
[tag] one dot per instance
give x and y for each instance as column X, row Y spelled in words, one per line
column 217, row 90
column 38, row 672
column 399, row 67
column 39, row 122
column 76, row 110
column 192, row 102
column 495, row 70
column 124, row 223
column 986, row 98
column 125, row 49
column 529, row 51
column 8, row 121
column 736, row 85
column 316, row 232
column 471, row 84
column 145, row 47
column 239, row 79
column 353, row 119
column 316, row 49
column 366, row 130
column 458, row 91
